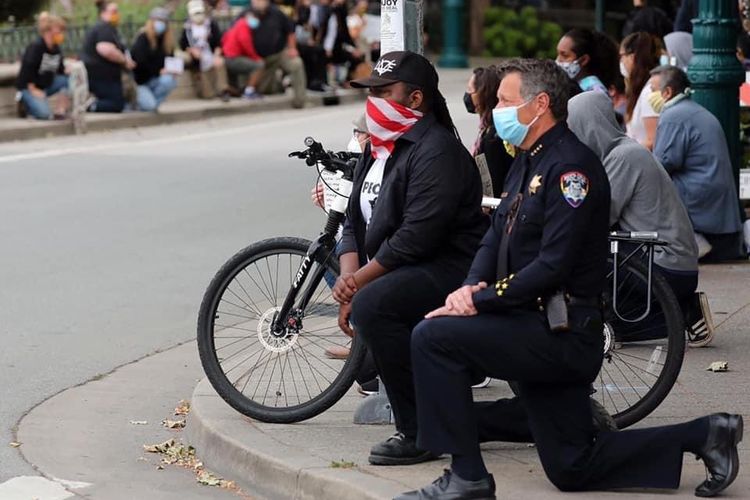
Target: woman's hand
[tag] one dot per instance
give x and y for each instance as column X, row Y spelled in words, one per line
column 459, row 303
column 317, row 195
column 345, row 288
column 345, row 311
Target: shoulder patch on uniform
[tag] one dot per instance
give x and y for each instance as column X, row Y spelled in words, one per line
column 574, row 186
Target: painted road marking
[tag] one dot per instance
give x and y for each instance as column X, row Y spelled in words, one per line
column 38, row 488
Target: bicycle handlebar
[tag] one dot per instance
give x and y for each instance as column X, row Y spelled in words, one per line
column 315, row 153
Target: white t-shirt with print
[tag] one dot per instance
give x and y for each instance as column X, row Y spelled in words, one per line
column 643, row 109
column 371, row 188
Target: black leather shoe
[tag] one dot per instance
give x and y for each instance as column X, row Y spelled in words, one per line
column 451, row 487
column 399, row 450
column 719, row 454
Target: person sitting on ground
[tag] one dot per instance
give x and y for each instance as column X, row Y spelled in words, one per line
column 312, row 54
column 42, row 71
column 643, row 196
column 481, row 98
column 341, row 49
column 588, row 57
column 639, row 54
column 691, row 145
column 152, row 45
column 201, row 46
column 244, row 64
column 277, row 45
column 105, row 57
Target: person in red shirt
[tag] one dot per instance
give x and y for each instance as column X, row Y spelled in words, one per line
column 244, row 65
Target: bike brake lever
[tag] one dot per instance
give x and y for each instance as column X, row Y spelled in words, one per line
column 298, row 154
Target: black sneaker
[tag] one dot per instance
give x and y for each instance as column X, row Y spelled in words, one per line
column 399, row 450
column 451, row 487
column 369, row 388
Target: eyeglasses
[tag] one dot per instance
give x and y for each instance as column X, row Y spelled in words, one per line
column 357, row 132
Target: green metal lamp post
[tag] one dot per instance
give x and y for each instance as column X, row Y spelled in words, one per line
column 453, row 30
column 714, row 71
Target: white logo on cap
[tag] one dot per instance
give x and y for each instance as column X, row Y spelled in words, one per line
column 384, row 66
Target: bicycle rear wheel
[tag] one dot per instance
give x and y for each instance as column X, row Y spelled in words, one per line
column 275, row 378
column 641, row 359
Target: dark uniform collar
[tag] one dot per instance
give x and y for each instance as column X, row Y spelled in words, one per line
column 544, row 143
column 420, row 128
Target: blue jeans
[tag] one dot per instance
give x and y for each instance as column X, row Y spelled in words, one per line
column 155, row 91
column 39, row 108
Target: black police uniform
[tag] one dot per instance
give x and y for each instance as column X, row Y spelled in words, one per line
column 555, row 218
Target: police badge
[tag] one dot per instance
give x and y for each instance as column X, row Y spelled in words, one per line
column 574, row 186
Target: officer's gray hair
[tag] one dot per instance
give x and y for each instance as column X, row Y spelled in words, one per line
column 542, row 76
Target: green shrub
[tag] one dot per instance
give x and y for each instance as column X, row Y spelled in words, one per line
column 508, row 33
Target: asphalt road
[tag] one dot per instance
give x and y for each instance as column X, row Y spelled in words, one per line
column 108, row 241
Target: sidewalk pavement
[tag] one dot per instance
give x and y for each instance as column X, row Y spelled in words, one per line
column 172, row 111
column 84, row 435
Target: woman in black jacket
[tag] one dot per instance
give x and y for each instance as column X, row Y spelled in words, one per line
column 489, row 150
column 151, row 47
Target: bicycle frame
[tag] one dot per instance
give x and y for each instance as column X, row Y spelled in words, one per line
column 322, row 248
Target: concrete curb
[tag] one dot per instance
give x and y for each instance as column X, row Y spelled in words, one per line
column 192, row 110
column 234, row 447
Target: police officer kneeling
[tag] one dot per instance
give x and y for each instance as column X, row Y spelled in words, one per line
column 529, row 311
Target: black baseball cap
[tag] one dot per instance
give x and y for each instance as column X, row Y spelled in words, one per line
column 400, row 66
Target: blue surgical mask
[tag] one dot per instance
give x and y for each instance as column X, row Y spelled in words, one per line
column 507, row 125
column 160, row 27
column 253, row 22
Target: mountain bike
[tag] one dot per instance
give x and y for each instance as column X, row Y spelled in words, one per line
column 268, row 316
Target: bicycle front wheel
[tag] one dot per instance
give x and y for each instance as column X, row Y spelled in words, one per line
column 275, row 377
column 642, row 359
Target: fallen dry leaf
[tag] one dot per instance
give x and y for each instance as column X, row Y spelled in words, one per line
column 718, row 366
column 15, row 445
column 183, row 408
column 208, row 479
column 159, row 448
column 173, row 424
column 139, row 422
column 342, row 464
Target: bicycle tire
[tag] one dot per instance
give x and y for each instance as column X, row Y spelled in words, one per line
column 212, row 364
column 664, row 297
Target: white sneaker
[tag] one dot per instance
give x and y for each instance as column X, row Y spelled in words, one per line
column 703, row 245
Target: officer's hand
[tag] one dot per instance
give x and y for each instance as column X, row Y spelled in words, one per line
column 446, row 311
column 462, row 301
column 345, row 288
column 345, row 310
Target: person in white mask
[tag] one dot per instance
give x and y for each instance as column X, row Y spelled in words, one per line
column 589, row 58
column 200, row 44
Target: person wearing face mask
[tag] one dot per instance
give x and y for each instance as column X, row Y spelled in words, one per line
column 589, row 58
column 276, row 43
column 105, row 57
column 151, row 46
column 480, row 98
column 244, row 64
column 42, row 72
column 200, row 44
column 530, row 311
column 639, row 54
column 691, row 146
column 413, row 222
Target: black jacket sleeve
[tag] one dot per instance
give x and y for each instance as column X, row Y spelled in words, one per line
column 140, row 50
column 498, row 160
column 431, row 198
column 184, row 44
column 215, row 40
column 562, row 235
column 32, row 58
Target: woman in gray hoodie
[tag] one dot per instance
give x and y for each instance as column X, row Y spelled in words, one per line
column 643, row 196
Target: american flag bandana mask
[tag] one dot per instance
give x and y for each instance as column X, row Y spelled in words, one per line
column 387, row 121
